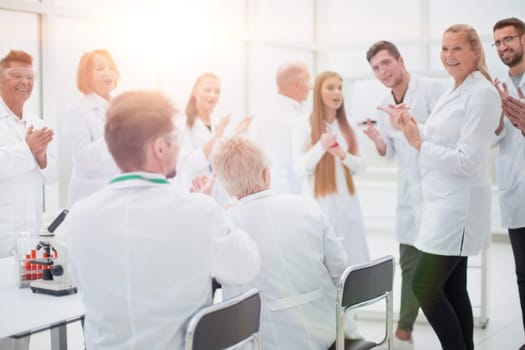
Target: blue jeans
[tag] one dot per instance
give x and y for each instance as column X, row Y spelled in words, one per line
column 440, row 286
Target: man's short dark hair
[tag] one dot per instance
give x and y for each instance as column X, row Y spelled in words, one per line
column 382, row 45
column 511, row 21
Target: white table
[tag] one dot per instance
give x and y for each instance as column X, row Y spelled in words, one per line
column 23, row 312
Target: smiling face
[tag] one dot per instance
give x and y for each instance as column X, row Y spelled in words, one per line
column 509, row 45
column 387, row 69
column 458, row 56
column 104, row 76
column 332, row 94
column 207, row 94
column 16, row 85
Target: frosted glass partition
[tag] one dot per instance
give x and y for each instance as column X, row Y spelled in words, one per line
column 342, row 22
column 23, row 34
column 481, row 14
column 262, row 67
column 291, row 20
column 225, row 59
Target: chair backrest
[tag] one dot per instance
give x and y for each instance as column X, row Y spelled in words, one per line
column 226, row 324
column 365, row 284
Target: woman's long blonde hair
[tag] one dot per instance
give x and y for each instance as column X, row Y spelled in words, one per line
column 324, row 174
column 475, row 43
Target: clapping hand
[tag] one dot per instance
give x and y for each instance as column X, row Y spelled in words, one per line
column 203, row 184
column 38, row 140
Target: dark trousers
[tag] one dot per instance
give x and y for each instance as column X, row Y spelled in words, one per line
column 517, row 241
column 409, row 304
column 440, row 286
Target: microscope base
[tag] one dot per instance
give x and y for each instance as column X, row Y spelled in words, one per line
column 53, row 288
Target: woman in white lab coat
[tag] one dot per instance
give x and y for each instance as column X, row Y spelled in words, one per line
column 453, row 156
column 199, row 129
column 326, row 150
column 83, row 125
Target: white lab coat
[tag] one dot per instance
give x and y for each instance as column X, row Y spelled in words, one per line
column 342, row 209
column 454, row 160
column 21, row 179
column 510, row 168
column 143, row 255
column 83, row 134
column 273, row 133
column 192, row 161
column 421, row 96
column 302, row 261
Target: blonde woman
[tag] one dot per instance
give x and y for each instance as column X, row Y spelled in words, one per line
column 454, row 150
column 326, row 151
column 199, row 130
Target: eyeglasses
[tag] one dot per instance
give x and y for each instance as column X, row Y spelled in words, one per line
column 506, row 40
column 19, row 74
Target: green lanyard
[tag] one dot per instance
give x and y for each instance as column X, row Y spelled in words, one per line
column 138, row 177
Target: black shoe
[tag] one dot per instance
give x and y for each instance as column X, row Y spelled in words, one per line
column 522, row 347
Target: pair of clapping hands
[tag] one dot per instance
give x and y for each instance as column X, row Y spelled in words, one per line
column 513, row 108
column 38, row 140
column 402, row 120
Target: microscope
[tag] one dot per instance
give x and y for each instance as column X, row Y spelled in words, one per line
column 55, row 280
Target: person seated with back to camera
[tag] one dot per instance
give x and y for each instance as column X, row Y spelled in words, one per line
column 141, row 252
column 302, row 259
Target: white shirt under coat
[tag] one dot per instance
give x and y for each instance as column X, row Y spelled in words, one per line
column 454, row 159
column 342, row 209
column 21, row 179
column 143, row 255
column 510, row 168
column 421, row 96
column 273, row 133
column 83, row 133
column 301, row 262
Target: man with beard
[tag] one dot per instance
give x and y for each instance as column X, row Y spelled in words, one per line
column 509, row 40
column 143, row 254
column 420, row 95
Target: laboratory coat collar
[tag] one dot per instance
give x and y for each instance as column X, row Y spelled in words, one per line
column 255, row 196
column 96, row 102
column 471, row 80
column 137, row 182
column 296, row 105
column 6, row 112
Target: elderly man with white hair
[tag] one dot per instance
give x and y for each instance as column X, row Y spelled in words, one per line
column 301, row 258
column 273, row 125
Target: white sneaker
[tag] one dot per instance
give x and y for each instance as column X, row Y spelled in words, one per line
column 403, row 344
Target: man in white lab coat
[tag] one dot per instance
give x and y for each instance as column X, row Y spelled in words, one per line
column 301, row 257
column 142, row 253
column 509, row 40
column 26, row 160
column 273, row 126
column 420, row 95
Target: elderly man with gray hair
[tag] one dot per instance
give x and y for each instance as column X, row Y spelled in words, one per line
column 301, row 257
column 273, row 125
